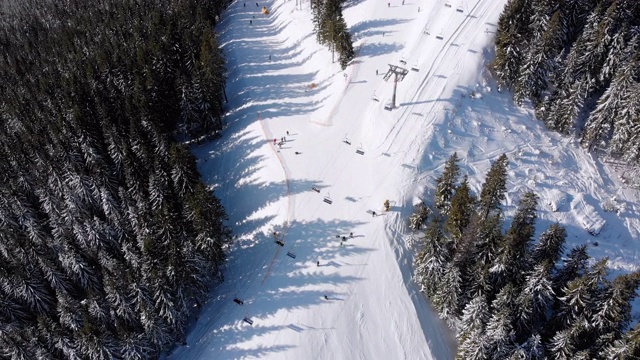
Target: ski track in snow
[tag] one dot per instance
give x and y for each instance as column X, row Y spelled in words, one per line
column 374, row 310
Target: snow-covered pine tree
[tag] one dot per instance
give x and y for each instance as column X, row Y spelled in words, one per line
column 447, row 296
column 575, row 265
column 530, row 349
column 612, row 313
column 499, row 334
column 486, row 242
column 462, row 207
column 446, row 184
column 474, row 318
column 575, row 311
column 628, row 347
column 494, row 187
column 535, row 301
column 432, row 260
column 512, row 260
column 629, row 117
column 419, row 217
column 545, row 45
column 512, row 40
column 550, row 246
column 599, row 127
column 562, row 345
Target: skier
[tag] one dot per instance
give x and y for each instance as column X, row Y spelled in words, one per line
column 318, row 263
column 402, row 2
column 287, row 132
column 250, row 22
column 274, row 141
column 376, row 72
column 344, row 238
column 269, row 57
column 298, row 153
column 245, row 4
column 373, row 213
column 257, row 5
column 418, row 8
column 326, row 297
column 388, row 4
column 351, row 235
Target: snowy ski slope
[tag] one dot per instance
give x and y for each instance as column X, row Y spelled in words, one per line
column 357, row 155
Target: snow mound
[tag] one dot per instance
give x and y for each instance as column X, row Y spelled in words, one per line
column 587, row 215
column 556, row 199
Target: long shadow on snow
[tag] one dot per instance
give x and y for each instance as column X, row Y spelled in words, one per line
column 376, row 49
column 268, row 281
column 233, row 167
column 372, row 27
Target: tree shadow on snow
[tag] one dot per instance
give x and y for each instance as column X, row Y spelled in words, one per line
column 269, row 281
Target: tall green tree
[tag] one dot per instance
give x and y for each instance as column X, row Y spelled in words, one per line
column 494, row 187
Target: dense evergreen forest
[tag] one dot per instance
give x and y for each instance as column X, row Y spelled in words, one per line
column 331, row 29
column 509, row 296
column 109, row 240
column 578, row 61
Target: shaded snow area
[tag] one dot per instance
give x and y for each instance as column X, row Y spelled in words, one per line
column 345, row 155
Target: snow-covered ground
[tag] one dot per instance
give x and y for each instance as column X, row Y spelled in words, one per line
column 358, row 155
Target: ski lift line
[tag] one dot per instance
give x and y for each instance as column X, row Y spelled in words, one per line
column 426, row 78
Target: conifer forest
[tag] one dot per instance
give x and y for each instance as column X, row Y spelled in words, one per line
column 578, row 61
column 109, row 241
column 509, row 295
column 331, row 29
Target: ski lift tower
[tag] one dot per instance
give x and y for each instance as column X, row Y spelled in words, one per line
column 399, row 74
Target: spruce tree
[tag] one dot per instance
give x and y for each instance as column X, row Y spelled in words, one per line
column 462, row 206
column 446, row 184
column 494, row 187
column 512, row 260
column 550, row 246
column 432, row 260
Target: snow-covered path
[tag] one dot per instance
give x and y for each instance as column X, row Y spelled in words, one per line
column 358, row 155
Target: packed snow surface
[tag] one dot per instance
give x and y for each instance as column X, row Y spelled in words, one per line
column 344, row 155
